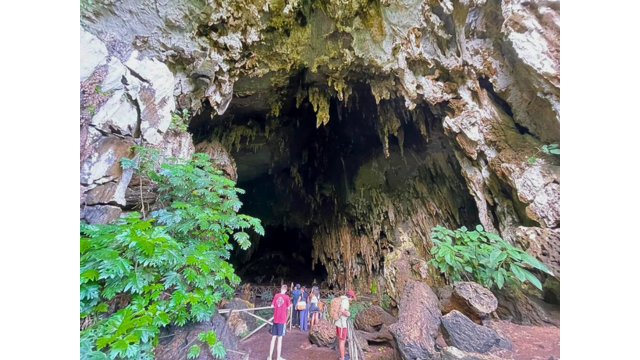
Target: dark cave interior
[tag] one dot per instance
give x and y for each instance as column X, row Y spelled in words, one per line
column 297, row 175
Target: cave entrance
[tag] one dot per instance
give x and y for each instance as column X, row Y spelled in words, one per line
column 335, row 199
column 282, row 255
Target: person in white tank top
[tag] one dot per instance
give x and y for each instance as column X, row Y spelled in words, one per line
column 313, row 308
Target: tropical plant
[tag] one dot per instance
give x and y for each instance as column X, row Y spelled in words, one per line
column 551, row 149
column 180, row 120
column 139, row 275
column 481, row 256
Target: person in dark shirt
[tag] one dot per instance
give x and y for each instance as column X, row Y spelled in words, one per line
column 280, row 305
column 296, row 293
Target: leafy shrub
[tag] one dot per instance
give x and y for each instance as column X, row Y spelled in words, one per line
column 138, row 275
column 482, row 257
column 180, row 120
column 355, row 308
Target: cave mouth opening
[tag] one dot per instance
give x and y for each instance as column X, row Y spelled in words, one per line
column 314, row 188
column 281, row 255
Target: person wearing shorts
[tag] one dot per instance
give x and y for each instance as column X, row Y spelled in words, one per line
column 313, row 305
column 341, row 323
column 280, row 305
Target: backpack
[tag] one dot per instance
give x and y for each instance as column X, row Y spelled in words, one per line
column 334, row 308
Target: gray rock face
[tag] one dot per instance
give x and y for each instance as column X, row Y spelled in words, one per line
column 418, row 322
column 125, row 100
column 100, row 214
column 461, row 332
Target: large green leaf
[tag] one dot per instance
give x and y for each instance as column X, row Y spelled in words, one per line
column 532, row 279
column 518, row 272
column 534, row 262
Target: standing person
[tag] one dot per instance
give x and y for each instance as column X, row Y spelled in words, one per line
column 280, row 305
column 304, row 309
column 313, row 305
column 341, row 323
column 296, row 293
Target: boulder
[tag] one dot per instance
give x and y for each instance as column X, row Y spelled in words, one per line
column 323, row 334
column 372, row 318
column 418, row 322
column 240, row 322
column 237, row 324
column 173, row 339
column 461, row 332
column 453, row 353
column 473, row 300
column 470, row 299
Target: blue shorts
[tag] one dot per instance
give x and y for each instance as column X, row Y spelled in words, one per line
column 277, row 329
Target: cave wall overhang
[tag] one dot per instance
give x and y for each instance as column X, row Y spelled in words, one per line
column 488, row 72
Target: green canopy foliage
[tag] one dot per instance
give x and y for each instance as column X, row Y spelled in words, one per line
column 138, row 275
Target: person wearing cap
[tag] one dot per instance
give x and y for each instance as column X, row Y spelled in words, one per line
column 341, row 323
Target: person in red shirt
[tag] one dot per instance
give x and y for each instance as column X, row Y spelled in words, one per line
column 280, row 305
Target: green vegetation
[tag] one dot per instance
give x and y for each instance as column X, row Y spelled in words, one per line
column 138, row 275
column 551, row 149
column 180, row 120
column 482, row 257
column 355, row 308
column 99, row 91
column 92, row 109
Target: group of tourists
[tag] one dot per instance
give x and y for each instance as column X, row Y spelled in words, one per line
column 306, row 307
column 307, row 310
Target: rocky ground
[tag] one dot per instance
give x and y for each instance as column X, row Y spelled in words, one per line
column 452, row 323
column 529, row 343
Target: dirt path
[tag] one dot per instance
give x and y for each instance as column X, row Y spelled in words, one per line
column 529, row 343
column 296, row 346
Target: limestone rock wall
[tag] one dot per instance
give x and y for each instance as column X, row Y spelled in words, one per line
column 124, row 102
column 488, row 71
